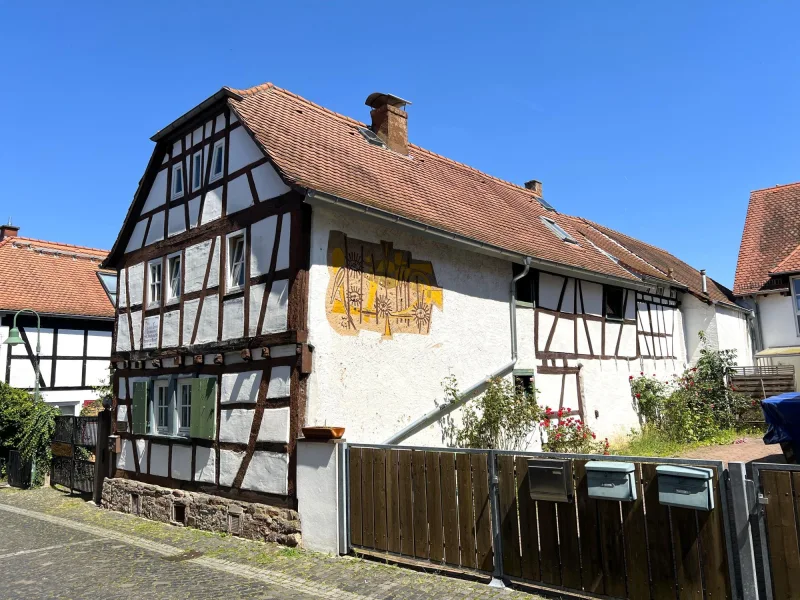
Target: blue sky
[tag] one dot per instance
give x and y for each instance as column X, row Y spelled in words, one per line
column 656, row 119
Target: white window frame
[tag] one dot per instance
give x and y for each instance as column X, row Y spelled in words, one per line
column 184, row 429
column 159, row 429
column 795, row 299
column 177, row 168
column 170, row 296
column 219, row 147
column 150, row 300
column 197, row 170
column 230, row 286
column 558, row 230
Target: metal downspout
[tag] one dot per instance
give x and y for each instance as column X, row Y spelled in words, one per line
column 478, row 387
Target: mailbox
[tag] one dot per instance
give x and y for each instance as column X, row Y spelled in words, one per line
column 609, row 480
column 550, row 479
column 686, row 487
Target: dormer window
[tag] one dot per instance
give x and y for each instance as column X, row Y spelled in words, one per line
column 177, row 181
column 197, row 171
column 217, row 160
column 557, row 229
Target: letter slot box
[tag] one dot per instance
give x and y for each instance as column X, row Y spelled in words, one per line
column 611, row 480
column 550, row 479
column 686, row 487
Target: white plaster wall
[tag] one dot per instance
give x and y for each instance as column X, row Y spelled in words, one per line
column 778, row 327
column 268, row 472
column 243, row 150
column 207, row 327
column 734, row 334
column 235, row 425
column 182, row 462
column 239, row 195
column 233, row 319
column 274, row 425
column 156, row 231
column 205, row 466
column 697, row 316
column 96, row 372
column 137, row 236
column 526, row 355
column 373, row 386
column 136, row 283
column 229, row 463
column 279, row 382
column 159, row 460
column 317, row 495
column 262, row 234
column 98, row 344
column 212, row 206
column 277, row 307
column 158, row 192
column 240, row 387
column 268, row 182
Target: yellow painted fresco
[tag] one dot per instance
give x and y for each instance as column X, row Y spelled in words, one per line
column 375, row 287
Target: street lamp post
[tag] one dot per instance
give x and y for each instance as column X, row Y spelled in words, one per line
column 14, row 339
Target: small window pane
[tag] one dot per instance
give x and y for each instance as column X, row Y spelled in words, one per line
column 162, row 409
column 796, row 283
column 197, row 174
column 185, row 408
column 155, row 283
column 218, row 160
column 236, row 250
column 174, row 277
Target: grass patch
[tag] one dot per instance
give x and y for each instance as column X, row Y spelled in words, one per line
column 650, row 442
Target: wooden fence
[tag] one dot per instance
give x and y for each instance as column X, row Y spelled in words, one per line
column 436, row 506
column 638, row 550
column 425, row 505
column 780, row 488
column 761, row 382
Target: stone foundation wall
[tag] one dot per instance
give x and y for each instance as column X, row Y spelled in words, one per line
column 203, row 511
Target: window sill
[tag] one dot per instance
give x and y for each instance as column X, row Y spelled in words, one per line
column 523, row 304
column 234, row 290
column 615, row 319
column 214, row 178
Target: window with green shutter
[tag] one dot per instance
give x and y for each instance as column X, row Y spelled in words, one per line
column 204, row 407
column 139, row 408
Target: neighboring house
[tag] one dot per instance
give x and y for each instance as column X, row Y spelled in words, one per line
column 75, row 300
column 268, row 230
column 768, row 273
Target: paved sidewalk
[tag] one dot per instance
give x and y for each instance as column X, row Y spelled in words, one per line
column 54, row 546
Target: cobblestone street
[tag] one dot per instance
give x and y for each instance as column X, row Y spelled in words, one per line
column 54, row 546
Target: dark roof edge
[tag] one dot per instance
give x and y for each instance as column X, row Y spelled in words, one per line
column 191, row 114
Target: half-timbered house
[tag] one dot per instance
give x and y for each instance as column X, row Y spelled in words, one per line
column 268, row 230
column 75, row 301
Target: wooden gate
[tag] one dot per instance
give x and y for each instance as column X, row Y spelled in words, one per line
column 442, row 506
column 73, row 448
column 638, row 550
column 426, row 505
column 778, row 511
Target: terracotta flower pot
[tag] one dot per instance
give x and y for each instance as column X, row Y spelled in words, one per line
column 323, row 433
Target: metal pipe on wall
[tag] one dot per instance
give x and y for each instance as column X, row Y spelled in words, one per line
column 475, row 389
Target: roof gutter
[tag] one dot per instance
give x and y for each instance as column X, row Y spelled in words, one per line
column 317, row 198
column 11, row 311
column 477, row 388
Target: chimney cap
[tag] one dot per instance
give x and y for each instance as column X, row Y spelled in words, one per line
column 378, row 99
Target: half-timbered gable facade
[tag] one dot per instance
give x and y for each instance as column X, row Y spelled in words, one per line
column 75, row 302
column 266, row 226
column 210, row 334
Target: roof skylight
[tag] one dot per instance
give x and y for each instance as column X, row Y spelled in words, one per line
column 556, row 228
column 371, row 137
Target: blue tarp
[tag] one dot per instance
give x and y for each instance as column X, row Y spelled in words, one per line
column 782, row 414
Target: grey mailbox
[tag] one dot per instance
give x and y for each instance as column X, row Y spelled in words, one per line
column 686, row 487
column 610, row 480
column 550, row 479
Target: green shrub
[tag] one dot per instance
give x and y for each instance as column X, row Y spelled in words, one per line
column 27, row 425
column 503, row 418
column 697, row 405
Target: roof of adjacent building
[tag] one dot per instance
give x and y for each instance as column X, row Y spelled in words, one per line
column 662, row 264
column 770, row 240
column 52, row 278
column 314, row 148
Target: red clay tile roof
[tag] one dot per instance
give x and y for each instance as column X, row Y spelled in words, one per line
column 317, row 149
column 790, row 264
column 660, row 262
column 771, row 235
column 52, row 278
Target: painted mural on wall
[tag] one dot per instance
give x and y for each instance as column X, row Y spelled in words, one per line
column 375, row 287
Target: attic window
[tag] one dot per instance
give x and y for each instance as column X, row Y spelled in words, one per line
column 109, row 283
column 371, row 137
column 556, row 228
column 217, row 160
column 545, row 204
column 177, row 181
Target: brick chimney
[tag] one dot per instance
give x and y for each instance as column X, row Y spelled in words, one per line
column 7, row 231
column 390, row 120
column 535, row 186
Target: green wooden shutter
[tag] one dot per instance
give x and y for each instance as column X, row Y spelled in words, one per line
column 139, row 408
column 204, row 407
